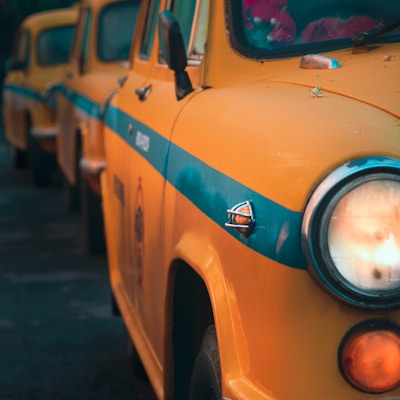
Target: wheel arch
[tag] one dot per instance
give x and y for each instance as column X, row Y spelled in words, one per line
column 197, row 296
column 190, row 313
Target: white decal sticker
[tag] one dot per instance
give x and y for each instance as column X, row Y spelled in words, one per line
column 142, row 141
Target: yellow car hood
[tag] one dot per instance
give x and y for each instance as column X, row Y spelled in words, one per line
column 372, row 77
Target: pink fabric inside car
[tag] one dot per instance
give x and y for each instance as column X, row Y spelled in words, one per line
column 335, row 28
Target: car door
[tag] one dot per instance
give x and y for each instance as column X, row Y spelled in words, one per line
column 125, row 165
column 156, row 115
column 66, row 119
column 147, row 109
column 119, row 125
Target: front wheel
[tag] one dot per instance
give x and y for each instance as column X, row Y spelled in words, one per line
column 92, row 215
column 72, row 196
column 134, row 360
column 43, row 165
column 205, row 383
column 73, row 191
column 19, row 158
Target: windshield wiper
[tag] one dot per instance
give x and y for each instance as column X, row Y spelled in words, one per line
column 362, row 39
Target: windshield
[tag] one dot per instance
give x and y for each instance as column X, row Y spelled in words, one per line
column 54, row 44
column 116, row 25
column 268, row 28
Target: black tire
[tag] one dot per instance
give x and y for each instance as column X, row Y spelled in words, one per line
column 19, row 158
column 43, row 165
column 73, row 192
column 134, row 360
column 72, row 196
column 205, row 383
column 92, row 215
column 115, row 312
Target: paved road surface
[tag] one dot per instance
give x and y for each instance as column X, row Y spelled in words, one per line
column 58, row 339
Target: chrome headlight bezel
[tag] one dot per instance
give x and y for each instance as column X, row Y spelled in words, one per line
column 316, row 221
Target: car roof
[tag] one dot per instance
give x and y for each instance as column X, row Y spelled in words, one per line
column 52, row 18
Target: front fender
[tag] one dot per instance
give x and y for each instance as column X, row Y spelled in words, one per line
column 199, row 254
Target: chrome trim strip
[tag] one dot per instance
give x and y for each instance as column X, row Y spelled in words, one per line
column 236, row 211
column 92, row 167
column 44, row 133
column 341, row 174
column 314, row 230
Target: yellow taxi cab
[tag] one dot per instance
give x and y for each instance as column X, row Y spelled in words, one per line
column 99, row 57
column 40, row 50
column 252, row 199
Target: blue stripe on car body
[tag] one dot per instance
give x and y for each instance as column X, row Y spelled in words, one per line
column 88, row 106
column 209, row 189
column 24, row 91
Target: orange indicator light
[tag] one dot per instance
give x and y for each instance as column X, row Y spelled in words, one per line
column 370, row 360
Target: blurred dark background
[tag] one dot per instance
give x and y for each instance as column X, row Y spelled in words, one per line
column 12, row 12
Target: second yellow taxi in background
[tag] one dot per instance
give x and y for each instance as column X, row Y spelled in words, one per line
column 97, row 65
column 40, row 52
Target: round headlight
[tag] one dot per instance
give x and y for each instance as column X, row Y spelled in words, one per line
column 351, row 233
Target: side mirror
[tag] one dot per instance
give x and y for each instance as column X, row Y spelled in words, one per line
column 173, row 51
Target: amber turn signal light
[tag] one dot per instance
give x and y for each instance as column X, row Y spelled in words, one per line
column 369, row 356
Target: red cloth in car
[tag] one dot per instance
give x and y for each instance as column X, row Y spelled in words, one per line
column 335, row 28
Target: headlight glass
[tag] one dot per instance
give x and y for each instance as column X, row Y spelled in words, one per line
column 351, row 233
column 364, row 236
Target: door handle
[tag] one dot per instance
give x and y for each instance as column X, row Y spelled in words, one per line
column 143, row 92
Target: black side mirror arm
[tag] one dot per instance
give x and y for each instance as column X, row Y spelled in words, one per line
column 174, row 53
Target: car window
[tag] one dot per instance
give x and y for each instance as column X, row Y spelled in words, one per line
column 263, row 28
column 115, row 30
column 184, row 12
column 53, row 45
column 150, row 28
column 21, row 48
column 198, row 38
column 192, row 18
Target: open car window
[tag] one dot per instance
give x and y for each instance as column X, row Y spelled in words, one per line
column 192, row 17
column 116, row 25
column 268, row 28
column 146, row 43
column 53, row 45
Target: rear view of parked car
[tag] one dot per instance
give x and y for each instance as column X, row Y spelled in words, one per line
column 98, row 62
column 40, row 52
